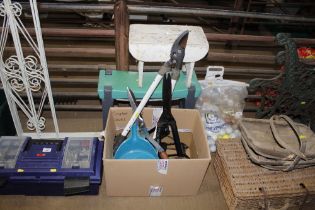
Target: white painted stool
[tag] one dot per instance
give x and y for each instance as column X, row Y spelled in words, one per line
column 153, row 43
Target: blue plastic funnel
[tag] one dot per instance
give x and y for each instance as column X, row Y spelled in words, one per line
column 136, row 147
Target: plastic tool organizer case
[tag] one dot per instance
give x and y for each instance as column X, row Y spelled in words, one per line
column 50, row 167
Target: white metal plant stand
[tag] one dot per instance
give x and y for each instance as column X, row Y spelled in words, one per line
column 24, row 75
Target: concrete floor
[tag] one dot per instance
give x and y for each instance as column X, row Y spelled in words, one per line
column 209, row 197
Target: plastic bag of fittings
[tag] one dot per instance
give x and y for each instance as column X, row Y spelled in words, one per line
column 221, row 105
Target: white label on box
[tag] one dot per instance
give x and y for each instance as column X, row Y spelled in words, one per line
column 184, row 130
column 162, row 166
column 46, row 149
column 155, row 190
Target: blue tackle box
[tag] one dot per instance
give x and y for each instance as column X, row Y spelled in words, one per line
column 50, row 167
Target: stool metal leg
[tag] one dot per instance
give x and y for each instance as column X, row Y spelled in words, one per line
column 140, row 71
column 190, row 100
column 190, row 70
column 107, row 102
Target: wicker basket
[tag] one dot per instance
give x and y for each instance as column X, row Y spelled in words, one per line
column 248, row 186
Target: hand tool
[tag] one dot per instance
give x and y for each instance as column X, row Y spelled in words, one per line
column 167, row 120
column 173, row 65
column 137, row 147
column 142, row 126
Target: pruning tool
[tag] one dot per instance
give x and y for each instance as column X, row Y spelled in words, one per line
column 172, row 66
column 167, row 120
column 142, row 126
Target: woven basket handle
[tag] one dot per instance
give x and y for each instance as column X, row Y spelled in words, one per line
column 279, row 139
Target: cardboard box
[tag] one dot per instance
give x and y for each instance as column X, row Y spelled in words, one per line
column 172, row 177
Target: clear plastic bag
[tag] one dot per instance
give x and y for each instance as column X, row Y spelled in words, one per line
column 221, row 105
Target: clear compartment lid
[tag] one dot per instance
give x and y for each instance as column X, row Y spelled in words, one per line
column 78, row 153
column 10, row 147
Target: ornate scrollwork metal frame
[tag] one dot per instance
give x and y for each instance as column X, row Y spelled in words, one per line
column 293, row 89
column 21, row 75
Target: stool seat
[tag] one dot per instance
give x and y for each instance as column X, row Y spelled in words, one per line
column 153, row 43
column 119, row 80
